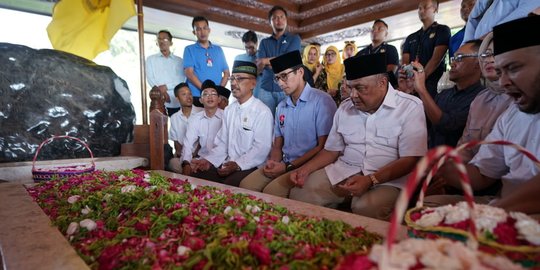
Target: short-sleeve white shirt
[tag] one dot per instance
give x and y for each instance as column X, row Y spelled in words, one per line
column 367, row 142
column 201, row 129
column 179, row 123
column 504, row 162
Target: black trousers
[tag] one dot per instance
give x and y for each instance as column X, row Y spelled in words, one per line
column 233, row 179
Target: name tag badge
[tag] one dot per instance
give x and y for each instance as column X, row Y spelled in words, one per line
column 246, row 124
column 281, row 120
column 209, row 62
column 432, row 35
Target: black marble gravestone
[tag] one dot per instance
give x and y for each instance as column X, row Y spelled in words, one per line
column 48, row 92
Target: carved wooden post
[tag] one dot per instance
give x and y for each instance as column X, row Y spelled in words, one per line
column 158, row 129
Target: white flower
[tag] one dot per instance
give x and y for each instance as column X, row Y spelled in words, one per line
column 430, row 219
column 285, row 219
column 255, row 209
column 487, row 217
column 149, row 188
column 227, row 210
column 457, row 213
column 128, row 188
column 88, row 224
column 86, row 210
column 121, row 177
column 72, row 228
column 193, row 186
column 146, row 178
column 256, row 218
column 182, row 250
column 528, row 227
column 248, row 207
column 107, row 197
column 73, row 199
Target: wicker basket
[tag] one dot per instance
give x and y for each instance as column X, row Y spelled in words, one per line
column 45, row 174
column 390, row 255
column 527, row 255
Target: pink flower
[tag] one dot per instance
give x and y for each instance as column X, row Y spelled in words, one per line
column 194, row 243
column 355, row 262
column 261, row 252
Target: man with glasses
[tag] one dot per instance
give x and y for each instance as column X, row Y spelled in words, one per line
column 379, row 32
column 428, row 45
column 250, row 41
column 245, row 137
column 376, row 139
column 165, row 70
column 202, row 127
column 449, row 110
column 302, row 123
column 204, row 60
column 281, row 41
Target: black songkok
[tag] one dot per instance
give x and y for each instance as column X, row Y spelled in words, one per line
column 285, row 61
column 516, row 34
column 365, row 65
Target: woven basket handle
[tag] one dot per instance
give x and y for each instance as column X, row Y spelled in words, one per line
column 62, row 137
column 435, row 154
column 470, row 144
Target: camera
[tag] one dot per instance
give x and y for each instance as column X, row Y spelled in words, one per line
column 409, row 70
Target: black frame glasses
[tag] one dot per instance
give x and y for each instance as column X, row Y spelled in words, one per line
column 237, row 78
column 458, row 58
column 284, row 76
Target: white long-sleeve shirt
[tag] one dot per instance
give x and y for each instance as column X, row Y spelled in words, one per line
column 169, row 71
column 245, row 136
column 202, row 129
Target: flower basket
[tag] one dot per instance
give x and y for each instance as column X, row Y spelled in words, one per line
column 423, row 253
column 514, row 235
column 45, row 174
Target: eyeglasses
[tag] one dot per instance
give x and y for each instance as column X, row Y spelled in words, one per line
column 283, row 76
column 238, row 78
column 332, row 53
column 210, row 95
column 459, row 57
column 486, row 55
column 349, row 41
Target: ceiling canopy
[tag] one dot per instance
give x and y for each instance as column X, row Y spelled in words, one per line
column 308, row 18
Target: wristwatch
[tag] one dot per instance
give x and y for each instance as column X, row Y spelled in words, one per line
column 289, row 167
column 374, row 180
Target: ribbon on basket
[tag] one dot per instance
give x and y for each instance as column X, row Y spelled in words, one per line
column 44, row 174
column 484, row 237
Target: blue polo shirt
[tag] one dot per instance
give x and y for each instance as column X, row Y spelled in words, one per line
column 197, row 57
column 302, row 124
column 272, row 47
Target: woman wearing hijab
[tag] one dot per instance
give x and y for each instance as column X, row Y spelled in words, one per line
column 310, row 59
column 349, row 50
column 331, row 74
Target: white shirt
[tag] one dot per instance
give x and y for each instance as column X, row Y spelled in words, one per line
column 368, row 142
column 245, row 136
column 179, row 123
column 504, row 162
column 161, row 70
column 201, row 129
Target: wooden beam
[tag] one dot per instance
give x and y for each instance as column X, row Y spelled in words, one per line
column 338, row 12
column 398, row 8
column 287, row 5
column 197, row 9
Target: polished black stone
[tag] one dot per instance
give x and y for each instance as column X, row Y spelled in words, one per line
column 48, row 92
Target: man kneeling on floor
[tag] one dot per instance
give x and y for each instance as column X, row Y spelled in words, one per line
column 376, row 139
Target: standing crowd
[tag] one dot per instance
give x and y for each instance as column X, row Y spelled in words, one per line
column 346, row 132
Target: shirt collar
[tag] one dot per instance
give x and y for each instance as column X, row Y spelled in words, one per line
column 390, row 98
column 210, row 45
column 247, row 103
column 285, row 35
column 305, row 96
column 218, row 114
